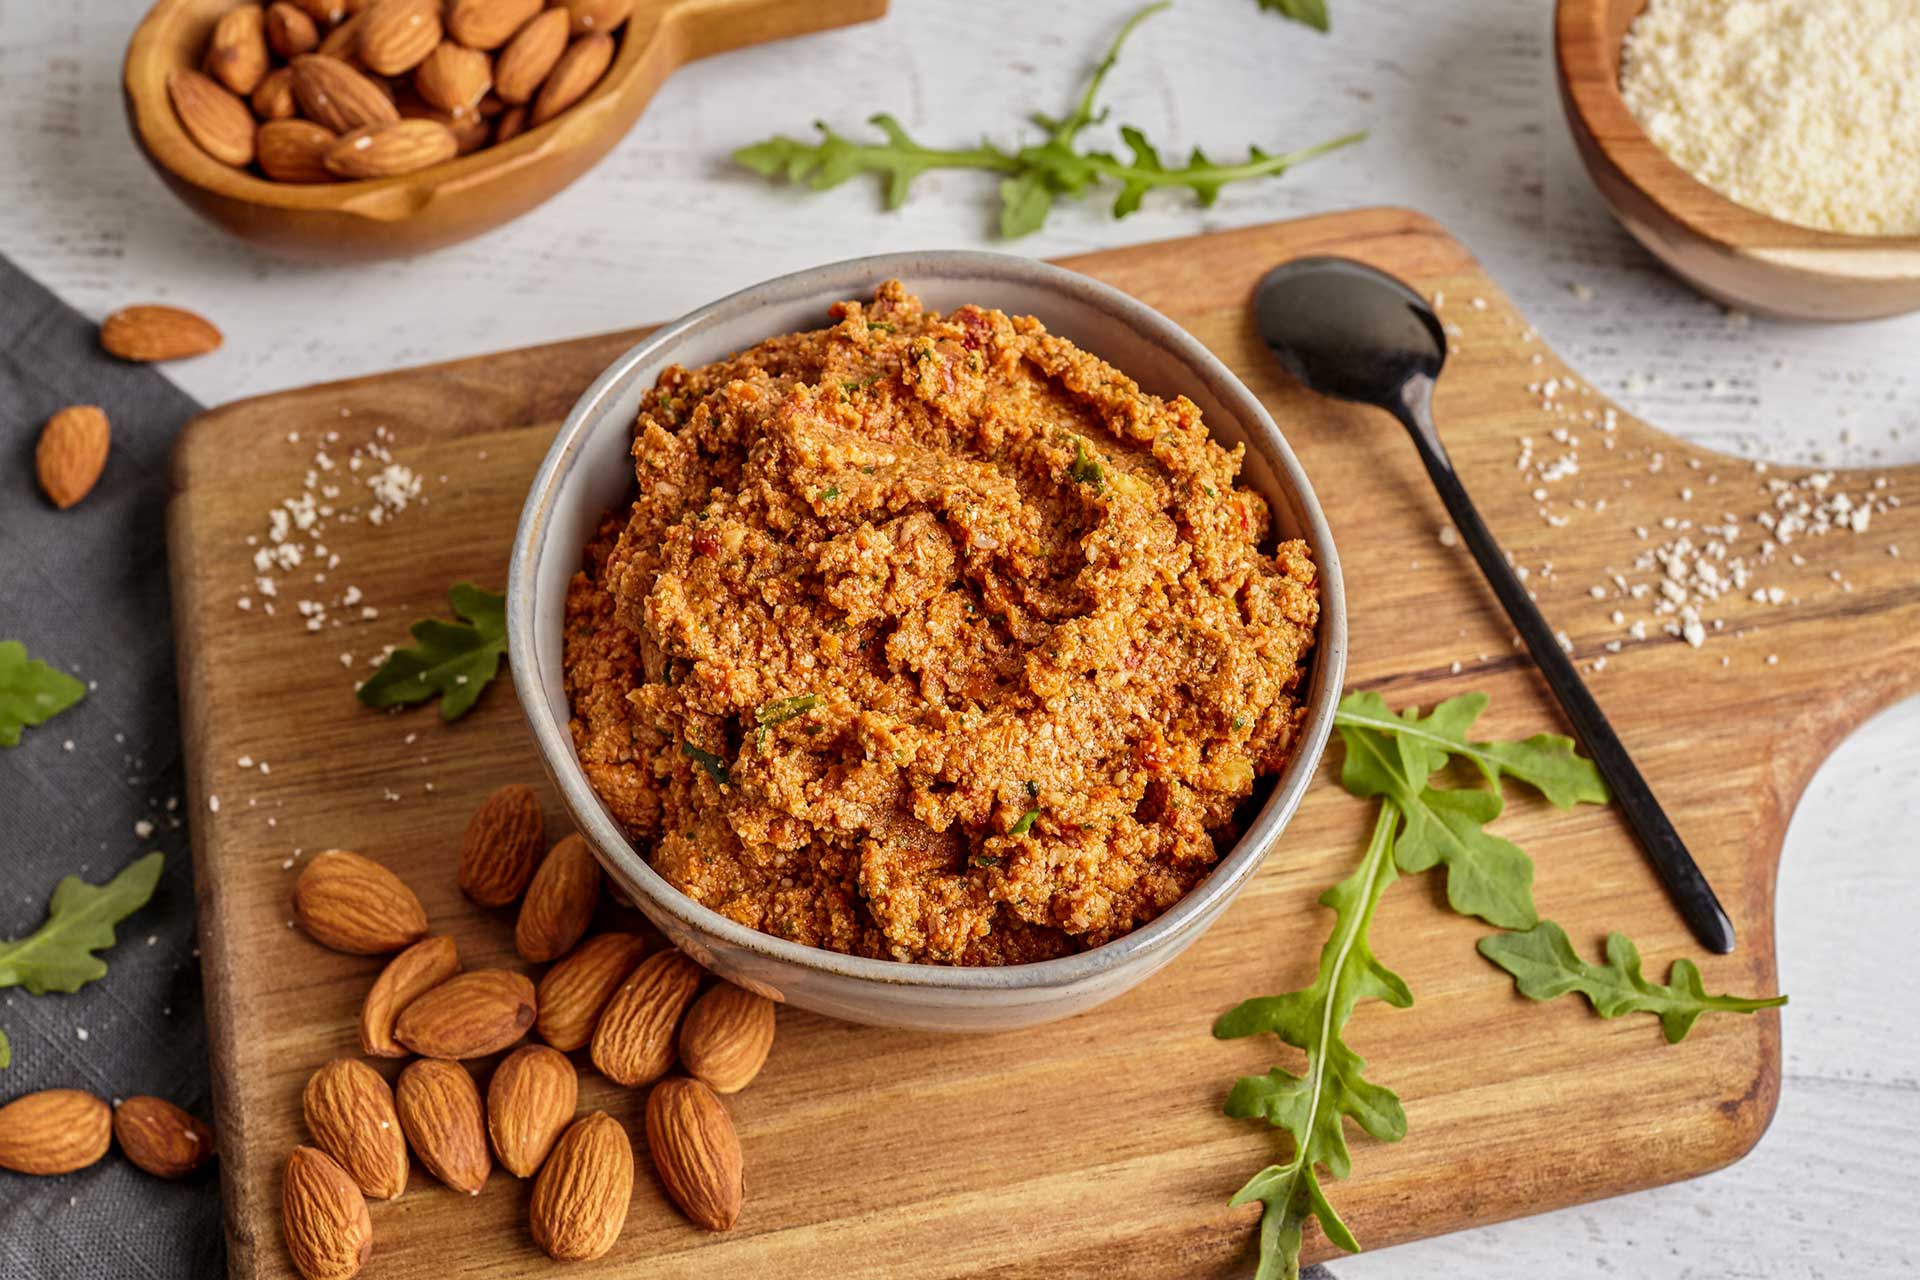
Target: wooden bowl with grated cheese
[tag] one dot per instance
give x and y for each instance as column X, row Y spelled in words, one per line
column 1730, row 252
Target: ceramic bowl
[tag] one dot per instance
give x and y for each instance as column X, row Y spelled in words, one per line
column 588, row 471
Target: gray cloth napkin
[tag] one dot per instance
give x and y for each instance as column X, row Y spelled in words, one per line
column 86, row 590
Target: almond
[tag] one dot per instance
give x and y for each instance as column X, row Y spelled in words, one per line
column 486, row 24
column 573, row 992
column 151, row 332
column 161, row 1138
column 237, row 54
column 411, row 974
column 53, row 1131
column 726, row 1037
column 325, row 1218
column 343, row 42
column 335, row 96
column 696, row 1151
column 353, row 904
column 577, row 71
column 530, row 55
column 503, row 842
column 324, row 12
column 530, row 1101
column 454, row 78
column 273, row 100
column 471, row 131
column 212, row 116
column 597, row 16
column 440, row 1113
column 512, row 124
column 560, row 902
column 395, row 35
column 350, row 1113
column 294, row 151
column 71, row 454
column 580, row 1198
column 468, row 1016
column 383, row 151
column 633, row 1044
column 290, row 30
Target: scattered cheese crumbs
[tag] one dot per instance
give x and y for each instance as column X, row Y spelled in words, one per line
column 142, row 829
column 81, row 1032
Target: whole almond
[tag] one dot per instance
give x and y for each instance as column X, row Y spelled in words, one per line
column 343, row 42
column 53, row 1131
column 577, row 71
column 573, row 992
column 471, row 131
column 726, row 1037
column 161, row 1138
column 592, row 17
column 71, row 454
column 395, row 35
column 513, row 123
column 353, row 904
column 273, row 100
column 411, row 974
column 212, row 116
column 559, row 903
column 696, row 1151
column 530, row 55
column 503, row 843
column 486, row 24
column 335, row 96
column 349, row 1111
column 468, row 1016
column 290, row 30
column 152, row 332
column 580, row 1198
column 294, row 151
column 530, row 1102
column 325, row 1217
column 386, row 150
column 237, row 54
column 323, row 12
column 633, row 1044
column 440, row 1113
column 454, row 78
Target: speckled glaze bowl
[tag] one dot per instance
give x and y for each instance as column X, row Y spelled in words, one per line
column 588, row 471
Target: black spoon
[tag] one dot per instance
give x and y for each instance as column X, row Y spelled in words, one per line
column 1348, row 331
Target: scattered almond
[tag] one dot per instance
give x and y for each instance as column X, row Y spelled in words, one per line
column 440, row 1113
column 487, row 24
column 53, row 1131
column 212, row 116
column 580, row 1198
column 726, row 1037
column 273, row 100
column 559, row 903
column 573, row 992
column 353, row 904
column 503, row 842
column 454, row 78
column 294, row 151
column 577, row 71
column 237, row 54
column 290, row 31
column 325, row 1218
column 468, row 1016
column 336, row 97
column 386, row 150
column 161, row 1138
column 696, row 1151
column 151, row 332
column 530, row 55
column 530, row 1102
column 395, row 35
column 349, row 1111
column 414, row 972
column 597, row 16
column 72, row 453
column 634, row 1041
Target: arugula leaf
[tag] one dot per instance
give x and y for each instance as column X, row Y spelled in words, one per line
column 58, row 956
column 1545, row 761
column 1311, row 1107
column 455, row 660
column 1544, row 967
column 1312, row 12
column 31, row 693
column 6, row 1052
column 716, row 767
column 834, row 159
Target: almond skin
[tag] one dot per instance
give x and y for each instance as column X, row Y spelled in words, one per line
column 529, row 56
column 325, row 1218
column 237, row 54
column 294, row 151
column 503, row 842
column 580, row 1198
column 323, row 12
column 696, row 1151
column 560, row 902
column 336, row 97
column 411, row 974
column 212, row 116
column 512, row 124
column 578, row 70
column 454, row 78
column 353, row 904
column 725, row 1040
column 290, row 31
column 161, row 1138
column 349, row 1111
column 72, row 453
column 597, row 16
column 530, row 1102
column 486, row 24
column 343, row 42
column 273, row 100
column 441, row 1115
column 387, row 150
column 573, row 992
column 633, row 1044
column 469, row 1016
column 395, row 35
column 150, row 332
column 53, row 1131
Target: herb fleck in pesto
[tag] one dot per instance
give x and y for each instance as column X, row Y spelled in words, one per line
column 786, row 709
column 716, row 767
column 1085, row 469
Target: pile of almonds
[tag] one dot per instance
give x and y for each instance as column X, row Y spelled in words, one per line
column 633, row 1013
column 324, row 90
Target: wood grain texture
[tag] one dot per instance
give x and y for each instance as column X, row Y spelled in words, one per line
column 1738, row 255
column 1094, row 1147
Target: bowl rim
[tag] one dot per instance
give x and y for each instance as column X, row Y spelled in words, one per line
column 853, row 278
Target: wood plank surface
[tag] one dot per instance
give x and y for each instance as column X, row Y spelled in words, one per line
column 1095, row 1146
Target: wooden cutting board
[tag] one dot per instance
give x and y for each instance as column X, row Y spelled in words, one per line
column 1094, row 1147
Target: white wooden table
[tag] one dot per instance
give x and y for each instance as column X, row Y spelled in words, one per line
column 1465, row 126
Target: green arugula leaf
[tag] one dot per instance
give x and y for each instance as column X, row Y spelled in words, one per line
column 834, row 159
column 58, row 956
column 1311, row 1108
column 716, row 767
column 1545, row 761
column 31, row 693
column 6, row 1052
column 455, row 660
column 1312, row 12
column 1545, row 967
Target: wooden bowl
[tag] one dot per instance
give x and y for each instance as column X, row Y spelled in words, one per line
column 394, row 217
column 1727, row 251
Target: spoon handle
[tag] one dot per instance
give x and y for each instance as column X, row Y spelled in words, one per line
column 1685, row 883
